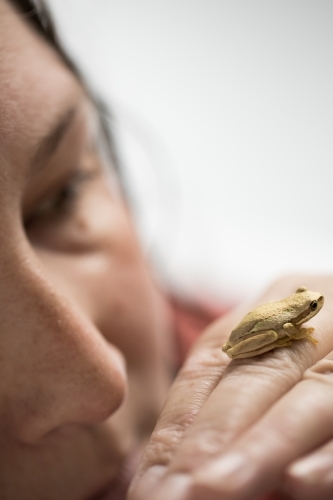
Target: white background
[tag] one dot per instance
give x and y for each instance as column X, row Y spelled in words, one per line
column 224, row 115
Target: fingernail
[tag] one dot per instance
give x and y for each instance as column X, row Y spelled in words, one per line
column 313, row 469
column 147, row 483
column 175, row 487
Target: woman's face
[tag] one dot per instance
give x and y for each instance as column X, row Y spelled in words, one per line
column 84, row 334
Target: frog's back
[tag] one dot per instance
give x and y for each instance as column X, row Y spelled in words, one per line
column 273, row 313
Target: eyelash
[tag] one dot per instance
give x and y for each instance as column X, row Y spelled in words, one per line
column 66, row 199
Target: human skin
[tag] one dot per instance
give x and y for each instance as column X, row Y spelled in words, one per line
column 249, row 429
column 85, row 336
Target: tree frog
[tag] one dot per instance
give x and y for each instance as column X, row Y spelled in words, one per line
column 275, row 324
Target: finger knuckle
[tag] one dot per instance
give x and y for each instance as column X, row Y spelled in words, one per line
column 198, row 447
column 209, row 439
column 166, row 439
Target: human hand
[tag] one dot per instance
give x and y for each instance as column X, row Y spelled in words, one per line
column 242, row 429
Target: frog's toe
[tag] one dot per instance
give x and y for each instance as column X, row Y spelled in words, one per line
column 307, row 331
column 225, row 347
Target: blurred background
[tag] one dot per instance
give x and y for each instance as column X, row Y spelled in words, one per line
column 223, row 112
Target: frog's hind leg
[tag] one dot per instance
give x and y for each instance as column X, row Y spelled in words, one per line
column 252, row 346
column 284, row 342
column 295, row 333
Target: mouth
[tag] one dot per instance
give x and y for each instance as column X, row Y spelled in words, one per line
column 118, row 487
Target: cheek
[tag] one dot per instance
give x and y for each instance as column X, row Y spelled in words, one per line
column 108, row 280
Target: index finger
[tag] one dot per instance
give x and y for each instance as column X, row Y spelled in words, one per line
column 248, row 388
column 196, row 380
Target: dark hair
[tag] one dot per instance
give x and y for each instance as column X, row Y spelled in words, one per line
column 37, row 13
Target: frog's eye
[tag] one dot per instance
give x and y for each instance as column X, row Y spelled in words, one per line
column 313, row 305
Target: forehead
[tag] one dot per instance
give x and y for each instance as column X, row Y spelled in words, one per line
column 36, row 86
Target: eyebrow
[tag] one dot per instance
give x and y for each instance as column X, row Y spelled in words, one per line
column 49, row 143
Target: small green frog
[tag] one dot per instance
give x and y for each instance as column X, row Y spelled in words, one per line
column 275, row 324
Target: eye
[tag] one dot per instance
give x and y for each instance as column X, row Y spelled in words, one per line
column 313, row 305
column 65, row 199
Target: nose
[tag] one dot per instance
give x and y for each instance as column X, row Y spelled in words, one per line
column 56, row 368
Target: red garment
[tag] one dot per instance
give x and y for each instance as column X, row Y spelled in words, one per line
column 190, row 320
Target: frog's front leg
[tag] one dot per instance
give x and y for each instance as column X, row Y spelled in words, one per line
column 262, row 342
column 295, row 333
